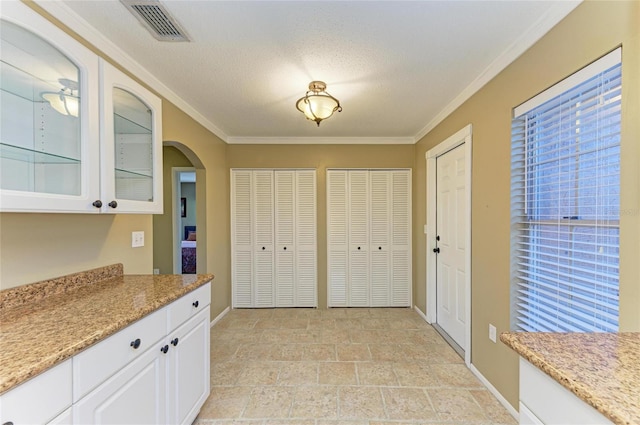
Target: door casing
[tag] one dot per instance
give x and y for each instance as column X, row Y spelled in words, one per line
column 459, row 138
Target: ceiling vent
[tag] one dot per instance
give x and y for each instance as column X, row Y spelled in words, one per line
column 157, row 19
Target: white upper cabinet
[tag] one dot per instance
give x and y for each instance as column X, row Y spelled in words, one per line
column 77, row 135
column 131, row 144
column 49, row 122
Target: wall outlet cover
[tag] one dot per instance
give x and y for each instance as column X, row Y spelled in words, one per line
column 492, row 333
column 137, row 239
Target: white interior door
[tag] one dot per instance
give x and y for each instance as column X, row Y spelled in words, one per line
column 451, row 230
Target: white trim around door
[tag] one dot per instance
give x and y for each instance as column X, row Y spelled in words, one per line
column 462, row 137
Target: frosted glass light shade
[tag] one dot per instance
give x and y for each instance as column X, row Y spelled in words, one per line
column 63, row 103
column 317, row 104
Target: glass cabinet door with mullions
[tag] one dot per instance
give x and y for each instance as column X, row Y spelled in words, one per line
column 49, row 119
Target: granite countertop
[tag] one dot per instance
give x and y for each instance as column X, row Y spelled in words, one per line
column 45, row 323
column 603, row 369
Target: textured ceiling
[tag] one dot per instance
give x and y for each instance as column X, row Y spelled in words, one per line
column 395, row 66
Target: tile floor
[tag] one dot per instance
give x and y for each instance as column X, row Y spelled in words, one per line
column 340, row 366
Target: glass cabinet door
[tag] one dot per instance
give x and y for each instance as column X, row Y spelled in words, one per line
column 46, row 119
column 132, row 144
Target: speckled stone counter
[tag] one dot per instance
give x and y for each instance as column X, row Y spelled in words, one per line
column 603, row 369
column 44, row 323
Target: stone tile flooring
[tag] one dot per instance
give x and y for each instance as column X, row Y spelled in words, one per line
column 340, row 366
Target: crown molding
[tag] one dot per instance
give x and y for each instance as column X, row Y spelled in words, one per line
column 76, row 23
column 527, row 39
column 71, row 19
column 321, row 140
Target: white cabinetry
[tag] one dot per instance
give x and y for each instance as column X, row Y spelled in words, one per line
column 369, row 238
column 134, row 395
column 139, row 375
column 131, row 144
column 159, row 377
column 273, row 216
column 545, row 401
column 76, row 136
column 49, row 147
column 51, row 390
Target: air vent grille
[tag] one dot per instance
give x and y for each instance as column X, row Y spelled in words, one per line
column 157, row 19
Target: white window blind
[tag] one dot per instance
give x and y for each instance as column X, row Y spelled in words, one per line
column 565, row 200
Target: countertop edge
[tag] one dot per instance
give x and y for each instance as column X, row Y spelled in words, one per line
column 576, row 388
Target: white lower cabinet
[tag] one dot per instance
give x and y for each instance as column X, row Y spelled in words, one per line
column 51, row 389
column 543, row 401
column 166, row 383
column 188, row 369
column 155, row 371
column 134, row 395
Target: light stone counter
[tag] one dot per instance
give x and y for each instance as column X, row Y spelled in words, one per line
column 603, row 369
column 45, row 323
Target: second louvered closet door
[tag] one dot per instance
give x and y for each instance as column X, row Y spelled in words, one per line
column 276, row 216
column 369, row 238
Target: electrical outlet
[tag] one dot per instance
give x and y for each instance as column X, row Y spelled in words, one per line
column 156, row 271
column 492, row 332
column 137, row 239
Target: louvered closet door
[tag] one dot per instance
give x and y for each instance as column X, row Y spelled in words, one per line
column 285, row 247
column 306, row 266
column 263, row 230
column 242, row 259
column 380, row 224
column 337, row 237
column 358, row 282
column 400, row 203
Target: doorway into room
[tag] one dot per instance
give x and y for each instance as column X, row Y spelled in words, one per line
column 185, row 230
column 449, row 240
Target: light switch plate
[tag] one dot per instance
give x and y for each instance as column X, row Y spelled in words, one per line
column 137, row 239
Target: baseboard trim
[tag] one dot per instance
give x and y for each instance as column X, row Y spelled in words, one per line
column 512, row 411
column 421, row 314
column 220, row 316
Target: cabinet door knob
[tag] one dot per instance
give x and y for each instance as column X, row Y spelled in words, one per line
column 8, row 423
column 136, row 344
column 196, row 304
column 436, row 250
column 358, row 248
column 164, row 349
column 380, row 248
column 97, row 204
column 174, row 342
column 113, row 204
column 263, row 248
column 285, row 248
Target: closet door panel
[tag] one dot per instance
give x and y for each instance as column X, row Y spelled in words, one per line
column 337, row 237
column 306, row 239
column 284, row 237
column 380, row 222
column 358, row 287
column 242, row 259
column 401, row 238
column 263, row 230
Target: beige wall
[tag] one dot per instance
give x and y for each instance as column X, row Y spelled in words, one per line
column 592, row 30
column 320, row 157
column 35, row 247
column 207, row 153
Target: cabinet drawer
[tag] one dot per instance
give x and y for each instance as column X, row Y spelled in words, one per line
column 94, row 365
column 189, row 305
column 40, row 399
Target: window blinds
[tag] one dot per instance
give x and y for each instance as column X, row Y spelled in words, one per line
column 565, row 200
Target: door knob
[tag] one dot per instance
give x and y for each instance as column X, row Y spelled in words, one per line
column 97, row 203
column 436, row 250
column 113, row 204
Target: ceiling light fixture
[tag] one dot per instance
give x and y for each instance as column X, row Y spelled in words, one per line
column 64, row 101
column 317, row 104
